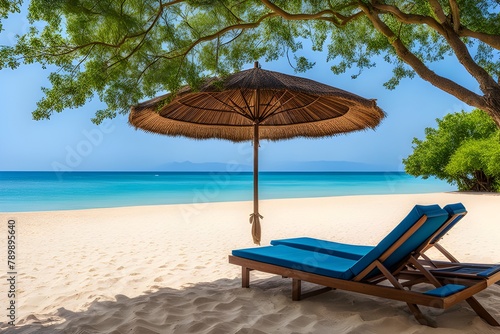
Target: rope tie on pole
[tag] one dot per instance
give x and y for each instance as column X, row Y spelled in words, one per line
column 255, row 221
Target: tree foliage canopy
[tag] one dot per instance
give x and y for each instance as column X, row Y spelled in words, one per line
column 123, row 51
column 463, row 150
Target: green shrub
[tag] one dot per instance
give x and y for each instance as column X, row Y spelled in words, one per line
column 463, row 150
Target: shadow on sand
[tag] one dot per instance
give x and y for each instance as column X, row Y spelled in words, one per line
column 222, row 306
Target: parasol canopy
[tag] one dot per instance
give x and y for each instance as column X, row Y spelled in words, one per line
column 256, row 104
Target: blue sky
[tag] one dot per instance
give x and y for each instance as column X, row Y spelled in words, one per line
column 70, row 141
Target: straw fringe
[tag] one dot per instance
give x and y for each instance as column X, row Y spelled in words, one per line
column 289, row 107
column 153, row 122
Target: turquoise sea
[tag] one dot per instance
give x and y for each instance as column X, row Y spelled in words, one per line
column 42, row 191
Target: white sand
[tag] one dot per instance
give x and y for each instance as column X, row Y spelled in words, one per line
column 164, row 269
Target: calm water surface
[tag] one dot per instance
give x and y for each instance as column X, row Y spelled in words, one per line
column 41, row 191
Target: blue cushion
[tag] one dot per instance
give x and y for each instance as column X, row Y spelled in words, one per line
column 483, row 270
column 490, row 271
column 452, row 210
column 436, row 217
column 299, row 259
column 455, row 208
column 354, row 252
column 445, row 290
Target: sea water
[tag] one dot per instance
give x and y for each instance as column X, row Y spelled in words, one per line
column 42, row 191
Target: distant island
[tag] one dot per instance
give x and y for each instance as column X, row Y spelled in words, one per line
column 283, row 166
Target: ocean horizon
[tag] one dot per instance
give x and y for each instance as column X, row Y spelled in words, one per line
column 49, row 191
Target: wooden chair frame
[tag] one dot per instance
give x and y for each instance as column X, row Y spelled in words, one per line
column 403, row 277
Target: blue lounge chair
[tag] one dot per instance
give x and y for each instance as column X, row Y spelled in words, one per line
column 455, row 211
column 394, row 260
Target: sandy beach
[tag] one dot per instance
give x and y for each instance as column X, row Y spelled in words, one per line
column 164, row 269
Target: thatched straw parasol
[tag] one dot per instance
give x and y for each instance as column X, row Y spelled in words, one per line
column 256, row 104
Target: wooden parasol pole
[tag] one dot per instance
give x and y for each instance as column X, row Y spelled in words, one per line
column 255, row 216
column 255, row 219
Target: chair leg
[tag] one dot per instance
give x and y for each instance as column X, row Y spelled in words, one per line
column 245, row 277
column 421, row 318
column 481, row 311
column 446, row 253
column 296, row 289
column 315, row 292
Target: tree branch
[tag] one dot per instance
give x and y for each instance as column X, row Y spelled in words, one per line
column 83, row 59
column 289, row 16
column 171, row 3
column 139, row 78
column 115, row 46
column 491, row 40
column 141, row 42
column 455, row 14
column 485, row 81
column 240, row 26
column 449, row 33
column 326, row 15
column 83, row 46
column 344, row 20
column 231, row 12
column 125, row 38
column 438, row 10
column 423, row 71
column 409, row 18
